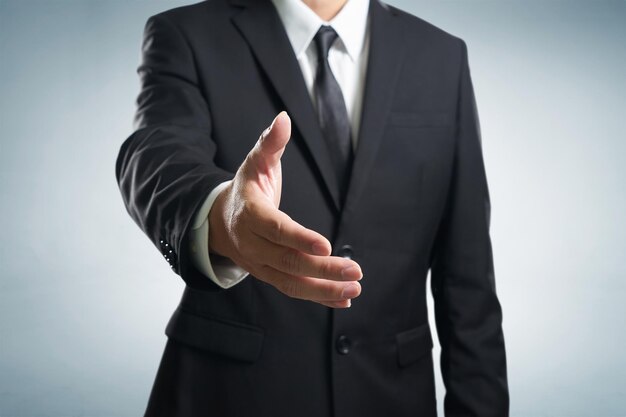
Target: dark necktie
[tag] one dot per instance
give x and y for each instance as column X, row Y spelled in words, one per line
column 331, row 110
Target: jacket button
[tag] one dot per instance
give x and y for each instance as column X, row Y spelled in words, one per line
column 346, row 251
column 343, row 344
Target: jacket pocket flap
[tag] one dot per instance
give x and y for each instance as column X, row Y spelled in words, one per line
column 235, row 340
column 422, row 119
column 413, row 344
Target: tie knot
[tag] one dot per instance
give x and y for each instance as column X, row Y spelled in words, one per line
column 324, row 39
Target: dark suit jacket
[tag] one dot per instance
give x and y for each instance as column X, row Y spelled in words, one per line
column 213, row 75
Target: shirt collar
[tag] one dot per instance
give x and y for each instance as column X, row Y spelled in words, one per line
column 301, row 24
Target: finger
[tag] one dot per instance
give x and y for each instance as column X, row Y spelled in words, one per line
column 335, row 304
column 269, row 148
column 308, row 288
column 276, row 226
column 294, row 262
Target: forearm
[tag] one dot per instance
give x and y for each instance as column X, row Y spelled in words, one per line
column 163, row 185
column 166, row 168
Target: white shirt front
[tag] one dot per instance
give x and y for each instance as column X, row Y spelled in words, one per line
column 347, row 58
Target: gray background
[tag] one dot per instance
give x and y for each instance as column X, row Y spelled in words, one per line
column 84, row 296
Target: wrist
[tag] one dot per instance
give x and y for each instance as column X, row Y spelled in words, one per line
column 218, row 236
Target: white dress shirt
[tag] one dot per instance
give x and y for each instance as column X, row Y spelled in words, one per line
column 347, row 58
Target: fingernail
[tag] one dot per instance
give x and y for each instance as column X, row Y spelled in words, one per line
column 349, row 303
column 351, row 272
column 319, row 249
column 350, row 291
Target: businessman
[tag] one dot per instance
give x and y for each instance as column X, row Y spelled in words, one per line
column 302, row 165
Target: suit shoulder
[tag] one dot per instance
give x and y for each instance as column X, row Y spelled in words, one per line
column 418, row 28
column 191, row 15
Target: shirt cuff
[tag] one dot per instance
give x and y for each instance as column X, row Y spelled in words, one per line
column 221, row 270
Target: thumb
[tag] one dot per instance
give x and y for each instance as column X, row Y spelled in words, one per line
column 271, row 144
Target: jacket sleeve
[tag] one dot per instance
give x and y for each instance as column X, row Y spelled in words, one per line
column 166, row 169
column 468, row 314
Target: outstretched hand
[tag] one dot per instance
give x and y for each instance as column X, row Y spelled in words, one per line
column 246, row 226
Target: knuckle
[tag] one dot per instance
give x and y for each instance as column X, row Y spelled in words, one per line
column 335, row 292
column 258, row 146
column 290, row 287
column 253, row 158
column 325, row 268
column 327, row 290
column 250, row 159
column 250, row 207
column 290, row 260
column 275, row 229
column 264, row 134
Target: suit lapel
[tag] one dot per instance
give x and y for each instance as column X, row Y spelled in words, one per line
column 260, row 25
column 386, row 54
